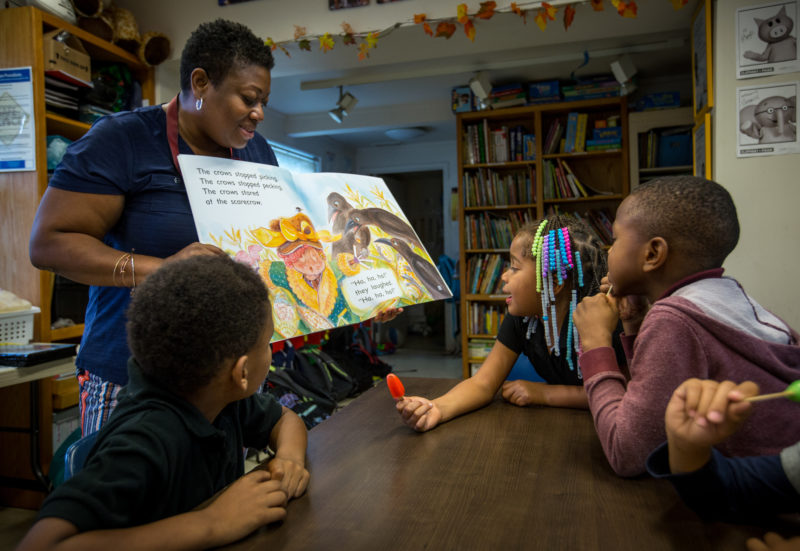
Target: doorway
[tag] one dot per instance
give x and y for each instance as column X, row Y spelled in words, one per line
column 419, row 195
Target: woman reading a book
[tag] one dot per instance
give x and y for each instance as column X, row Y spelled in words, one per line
column 116, row 208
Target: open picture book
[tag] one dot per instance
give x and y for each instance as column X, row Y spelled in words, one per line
column 333, row 249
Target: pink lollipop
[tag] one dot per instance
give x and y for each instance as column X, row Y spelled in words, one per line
column 395, row 386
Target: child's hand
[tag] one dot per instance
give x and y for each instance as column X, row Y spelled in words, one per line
column 595, row 318
column 248, row 504
column 773, row 542
column 525, row 393
column 700, row 415
column 631, row 308
column 293, row 476
column 419, row 413
column 388, row 314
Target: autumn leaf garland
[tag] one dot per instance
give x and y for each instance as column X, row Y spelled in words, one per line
column 446, row 27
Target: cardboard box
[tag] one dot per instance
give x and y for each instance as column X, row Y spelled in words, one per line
column 66, row 56
column 65, row 392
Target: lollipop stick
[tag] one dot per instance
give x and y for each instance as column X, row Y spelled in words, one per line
column 792, row 392
column 762, row 397
column 608, row 293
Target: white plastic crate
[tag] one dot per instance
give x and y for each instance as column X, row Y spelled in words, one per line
column 17, row 327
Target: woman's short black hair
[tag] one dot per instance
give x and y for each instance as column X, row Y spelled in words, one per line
column 219, row 46
column 191, row 316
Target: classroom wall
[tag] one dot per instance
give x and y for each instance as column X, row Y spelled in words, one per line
column 275, row 18
column 766, row 190
column 419, row 157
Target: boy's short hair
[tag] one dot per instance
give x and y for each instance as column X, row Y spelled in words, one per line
column 191, row 316
column 696, row 216
column 219, row 46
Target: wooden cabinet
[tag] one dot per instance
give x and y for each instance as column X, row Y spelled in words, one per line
column 21, row 45
column 640, row 124
column 497, row 197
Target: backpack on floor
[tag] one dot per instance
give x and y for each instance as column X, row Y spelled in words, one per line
column 322, row 371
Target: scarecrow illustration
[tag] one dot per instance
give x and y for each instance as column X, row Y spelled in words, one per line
column 303, row 287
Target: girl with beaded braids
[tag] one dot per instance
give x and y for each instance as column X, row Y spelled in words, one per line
column 554, row 264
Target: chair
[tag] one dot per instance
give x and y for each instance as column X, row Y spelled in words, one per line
column 76, row 455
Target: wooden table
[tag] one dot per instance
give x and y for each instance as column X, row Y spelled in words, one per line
column 503, row 477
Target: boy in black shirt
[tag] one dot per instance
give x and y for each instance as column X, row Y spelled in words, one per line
column 199, row 330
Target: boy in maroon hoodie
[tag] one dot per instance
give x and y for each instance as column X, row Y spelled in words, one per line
column 682, row 319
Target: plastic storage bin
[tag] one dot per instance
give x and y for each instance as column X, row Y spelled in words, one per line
column 17, row 327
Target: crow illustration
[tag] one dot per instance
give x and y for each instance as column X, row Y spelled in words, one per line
column 391, row 224
column 338, row 210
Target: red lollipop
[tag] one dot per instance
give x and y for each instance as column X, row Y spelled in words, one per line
column 395, row 386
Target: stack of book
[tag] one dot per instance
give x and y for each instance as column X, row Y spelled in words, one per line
column 575, row 140
column 62, row 97
column 488, row 231
column 490, row 188
column 484, row 273
column 485, row 319
column 478, row 349
column 552, row 142
column 508, row 95
column 606, row 134
column 602, row 86
column 560, row 182
column 544, row 92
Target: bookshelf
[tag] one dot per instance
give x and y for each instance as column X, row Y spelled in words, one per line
column 21, row 45
column 640, row 123
column 513, row 170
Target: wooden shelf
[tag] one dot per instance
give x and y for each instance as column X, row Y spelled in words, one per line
column 69, row 128
column 644, row 121
column 64, row 333
column 593, row 198
column 606, row 171
column 584, row 154
column 500, row 207
column 510, row 164
column 665, row 170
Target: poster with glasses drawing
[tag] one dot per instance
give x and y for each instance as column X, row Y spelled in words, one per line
column 767, row 120
column 767, row 39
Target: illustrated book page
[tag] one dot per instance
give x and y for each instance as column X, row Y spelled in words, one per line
column 334, row 249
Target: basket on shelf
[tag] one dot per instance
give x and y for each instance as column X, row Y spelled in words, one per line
column 17, row 327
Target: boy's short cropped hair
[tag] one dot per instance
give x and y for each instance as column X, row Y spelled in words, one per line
column 696, row 216
column 191, row 316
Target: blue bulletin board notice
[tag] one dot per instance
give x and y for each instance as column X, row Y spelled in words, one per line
column 17, row 129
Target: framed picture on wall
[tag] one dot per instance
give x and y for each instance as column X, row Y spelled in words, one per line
column 767, row 123
column 701, row 138
column 343, row 4
column 766, row 39
column 701, row 59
